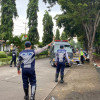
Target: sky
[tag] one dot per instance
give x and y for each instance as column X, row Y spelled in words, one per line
column 19, row 22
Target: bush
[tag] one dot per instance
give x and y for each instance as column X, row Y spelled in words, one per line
column 44, row 53
column 96, row 54
column 5, row 59
column 10, row 54
column 3, row 54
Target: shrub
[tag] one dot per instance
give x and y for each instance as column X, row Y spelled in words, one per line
column 3, row 54
column 5, row 59
column 10, row 54
column 44, row 53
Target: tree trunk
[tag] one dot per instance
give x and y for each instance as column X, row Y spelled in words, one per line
column 91, row 55
column 86, row 44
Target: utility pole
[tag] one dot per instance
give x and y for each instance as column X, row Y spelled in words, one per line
column 25, row 27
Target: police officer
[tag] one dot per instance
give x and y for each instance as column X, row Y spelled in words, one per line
column 13, row 58
column 78, row 55
column 61, row 55
column 27, row 61
column 82, row 56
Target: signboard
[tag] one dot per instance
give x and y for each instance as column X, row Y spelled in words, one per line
column 24, row 37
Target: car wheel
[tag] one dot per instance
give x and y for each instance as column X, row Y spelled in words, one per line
column 70, row 64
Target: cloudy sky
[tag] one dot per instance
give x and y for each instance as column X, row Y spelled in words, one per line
column 19, row 23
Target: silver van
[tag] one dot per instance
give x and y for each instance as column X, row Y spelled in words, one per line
column 53, row 50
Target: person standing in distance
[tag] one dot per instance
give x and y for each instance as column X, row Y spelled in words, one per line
column 13, row 58
column 78, row 55
column 82, row 56
column 61, row 57
column 27, row 61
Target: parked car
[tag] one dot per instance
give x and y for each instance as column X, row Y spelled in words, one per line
column 55, row 46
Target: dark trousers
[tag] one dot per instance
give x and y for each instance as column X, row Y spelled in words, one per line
column 28, row 76
column 77, row 62
column 13, row 60
column 82, row 59
column 60, row 68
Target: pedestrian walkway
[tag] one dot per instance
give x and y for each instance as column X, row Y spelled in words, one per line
column 81, row 83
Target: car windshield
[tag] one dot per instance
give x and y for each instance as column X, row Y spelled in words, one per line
column 66, row 47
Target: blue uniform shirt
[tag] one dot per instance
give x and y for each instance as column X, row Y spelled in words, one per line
column 28, row 59
column 61, row 55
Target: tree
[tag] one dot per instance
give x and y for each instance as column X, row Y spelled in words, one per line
column 57, row 37
column 40, row 45
column 47, row 28
column 50, row 1
column 64, row 36
column 72, row 43
column 32, row 24
column 16, row 41
column 97, row 41
column 84, row 12
column 8, row 12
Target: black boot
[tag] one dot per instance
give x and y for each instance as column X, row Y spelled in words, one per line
column 56, row 77
column 33, row 90
column 11, row 64
column 15, row 65
column 62, row 81
column 26, row 97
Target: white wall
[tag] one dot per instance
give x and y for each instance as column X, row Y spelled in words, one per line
column 5, row 48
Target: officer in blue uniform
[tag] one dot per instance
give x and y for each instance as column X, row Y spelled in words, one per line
column 13, row 58
column 61, row 57
column 27, row 61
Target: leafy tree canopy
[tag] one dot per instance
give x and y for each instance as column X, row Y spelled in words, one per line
column 47, row 28
column 8, row 12
column 64, row 36
column 57, row 36
column 32, row 16
column 81, row 12
column 50, row 1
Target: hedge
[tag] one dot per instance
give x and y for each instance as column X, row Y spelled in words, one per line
column 96, row 54
column 44, row 53
column 5, row 61
column 3, row 54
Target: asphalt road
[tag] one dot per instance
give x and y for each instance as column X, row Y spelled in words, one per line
column 11, row 87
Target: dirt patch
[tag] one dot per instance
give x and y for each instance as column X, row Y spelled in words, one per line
column 82, row 83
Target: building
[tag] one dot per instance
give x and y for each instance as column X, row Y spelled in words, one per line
column 4, row 47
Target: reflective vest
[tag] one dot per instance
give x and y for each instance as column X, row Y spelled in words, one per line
column 81, row 53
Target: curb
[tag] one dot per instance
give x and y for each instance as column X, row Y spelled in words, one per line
column 51, row 97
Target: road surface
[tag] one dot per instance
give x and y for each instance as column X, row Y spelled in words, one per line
column 11, row 83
